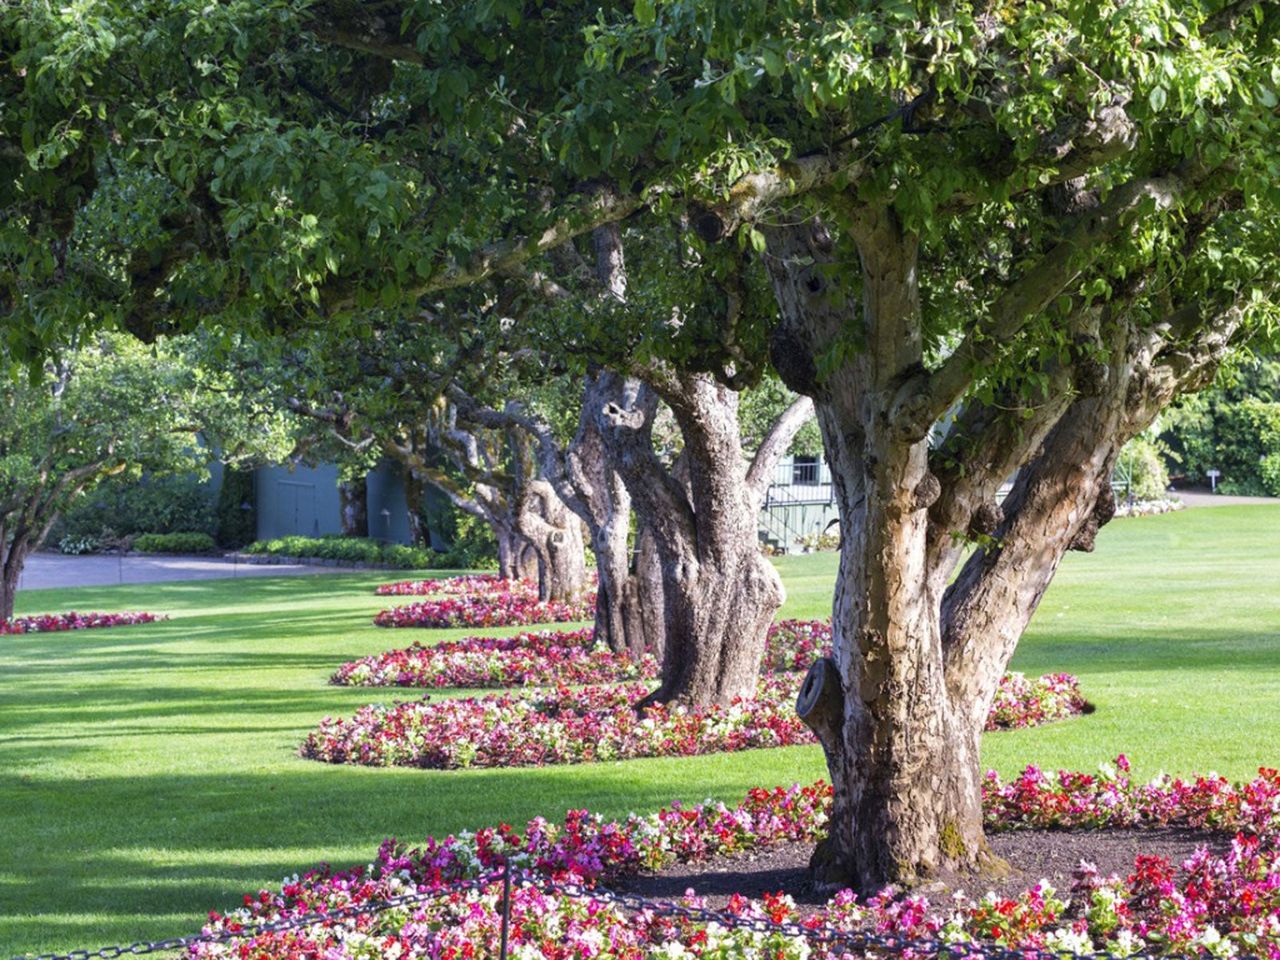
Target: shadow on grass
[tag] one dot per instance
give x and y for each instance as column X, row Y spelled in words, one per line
column 190, row 843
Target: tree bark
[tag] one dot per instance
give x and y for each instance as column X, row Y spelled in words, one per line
column 13, row 557
column 12, row 570
column 719, row 595
column 516, row 557
column 353, row 499
column 415, row 495
column 555, row 534
column 901, row 705
column 627, row 601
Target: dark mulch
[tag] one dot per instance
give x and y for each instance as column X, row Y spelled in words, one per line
column 1033, row 855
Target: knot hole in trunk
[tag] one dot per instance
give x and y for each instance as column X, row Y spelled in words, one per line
column 820, row 703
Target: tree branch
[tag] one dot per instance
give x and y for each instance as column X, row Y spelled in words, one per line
column 775, row 444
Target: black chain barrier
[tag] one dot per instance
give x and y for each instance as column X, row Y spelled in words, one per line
column 855, row 941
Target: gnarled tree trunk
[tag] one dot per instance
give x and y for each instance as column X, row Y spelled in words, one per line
column 555, row 534
column 517, row 559
column 719, row 594
column 353, row 501
column 628, row 602
column 901, row 706
column 415, row 498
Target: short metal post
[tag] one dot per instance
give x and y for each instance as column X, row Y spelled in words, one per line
column 506, row 908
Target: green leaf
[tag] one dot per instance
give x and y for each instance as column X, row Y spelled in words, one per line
column 646, row 12
column 773, row 63
column 1158, row 98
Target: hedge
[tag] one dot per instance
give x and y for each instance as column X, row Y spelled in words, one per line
column 351, row 550
column 188, row 542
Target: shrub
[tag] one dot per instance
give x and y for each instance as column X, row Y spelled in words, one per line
column 75, row 546
column 471, row 543
column 187, row 542
column 1143, row 459
column 349, row 550
column 820, row 542
column 410, row 558
column 1233, row 428
column 122, row 508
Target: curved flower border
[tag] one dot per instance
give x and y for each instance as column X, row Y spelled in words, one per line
column 472, row 584
column 1210, row 905
column 527, row 659
column 550, row 657
column 57, row 622
column 504, row 608
column 600, row 723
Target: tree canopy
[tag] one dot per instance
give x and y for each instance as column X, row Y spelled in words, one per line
column 283, row 160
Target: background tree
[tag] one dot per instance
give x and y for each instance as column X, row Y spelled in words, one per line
column 109, row 409
column 659, row 337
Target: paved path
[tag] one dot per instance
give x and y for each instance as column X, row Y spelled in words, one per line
column 1199, row 498
column 55, row 570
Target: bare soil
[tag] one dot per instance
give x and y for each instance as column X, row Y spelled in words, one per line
column 1033, row 855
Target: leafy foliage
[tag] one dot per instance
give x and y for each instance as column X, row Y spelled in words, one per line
column 119, row 508
column 188, row 542
column 236, row 516
column 1233, row 428
column 1141, row 466
column 110, row 410
column 349, row 550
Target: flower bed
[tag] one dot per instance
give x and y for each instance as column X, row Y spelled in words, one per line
column 548, row 657
column 570, row 658
column 503, row 608
column 527, row 659
column 795, row 644
column 470, row 584
column 600, row 723
column 1213, row 906
column 54, row 622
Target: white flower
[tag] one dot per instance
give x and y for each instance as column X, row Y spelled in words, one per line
column 1213, row 943
column 1066, row 940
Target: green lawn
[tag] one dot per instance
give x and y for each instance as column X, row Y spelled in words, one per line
column 147, row 774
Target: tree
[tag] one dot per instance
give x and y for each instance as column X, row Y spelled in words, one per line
column 103, row 410
column 697, row 509
column 1021, row 228
column 361, row 398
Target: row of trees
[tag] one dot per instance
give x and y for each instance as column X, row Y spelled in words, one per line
column 1022, row 229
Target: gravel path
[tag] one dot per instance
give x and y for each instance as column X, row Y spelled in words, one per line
column 1203, row 498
